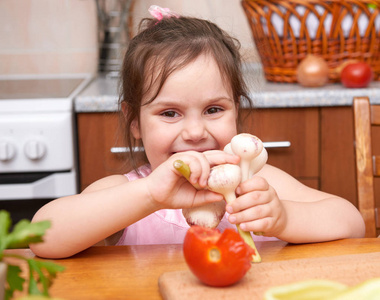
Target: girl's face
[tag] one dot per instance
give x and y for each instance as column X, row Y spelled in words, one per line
column 194, row 110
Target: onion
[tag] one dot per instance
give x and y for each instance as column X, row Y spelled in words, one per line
column 313, row 71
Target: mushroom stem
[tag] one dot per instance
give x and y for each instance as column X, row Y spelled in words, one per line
column 184, row 169
column 246, row 236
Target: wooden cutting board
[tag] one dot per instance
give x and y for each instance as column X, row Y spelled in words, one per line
column 347, row 269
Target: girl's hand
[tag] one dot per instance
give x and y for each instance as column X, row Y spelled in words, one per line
column 169, row 189
column 258, row 208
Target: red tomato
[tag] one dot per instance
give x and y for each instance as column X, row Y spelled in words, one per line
column 217, row 259
column 356, row 75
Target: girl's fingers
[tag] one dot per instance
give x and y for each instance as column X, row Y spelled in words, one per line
column 202, row 167
column 250, row 214
column 261, row 225
column 217, row 157
column 249, row 200
column 256, row 183
column 206, row 196
column 199, row 167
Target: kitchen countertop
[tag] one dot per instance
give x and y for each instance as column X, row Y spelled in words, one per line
column 133, row 272
column 101, row 95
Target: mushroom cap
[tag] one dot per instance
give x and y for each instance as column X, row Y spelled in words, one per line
column 208, row 215
column 246, row 145
column 228, row 149
column 258, row 162
column 224, row 178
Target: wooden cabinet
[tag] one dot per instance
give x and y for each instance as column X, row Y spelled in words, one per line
column 97, row 134
column 337, row 152
column 299, row 126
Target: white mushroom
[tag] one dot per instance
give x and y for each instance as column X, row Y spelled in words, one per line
column 207, row 215
column 228, row 149
column 224, row 179
column 258, row 162
column 247, row 146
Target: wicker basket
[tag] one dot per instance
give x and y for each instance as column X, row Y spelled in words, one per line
column 285, row 31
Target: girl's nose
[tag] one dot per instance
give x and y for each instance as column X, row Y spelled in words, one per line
column 194, row 130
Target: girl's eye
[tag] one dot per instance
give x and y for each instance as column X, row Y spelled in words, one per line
column 169, row 114
column 213, row 110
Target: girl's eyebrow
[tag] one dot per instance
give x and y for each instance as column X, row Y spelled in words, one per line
column 169, row 102
column 163, row 102
column 221, row 98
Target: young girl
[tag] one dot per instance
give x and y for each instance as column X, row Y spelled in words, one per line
column 181, row 89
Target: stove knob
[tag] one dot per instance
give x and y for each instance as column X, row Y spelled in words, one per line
column 7, row 151
column 34, row 149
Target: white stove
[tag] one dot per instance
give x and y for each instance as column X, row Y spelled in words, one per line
column 37, row 137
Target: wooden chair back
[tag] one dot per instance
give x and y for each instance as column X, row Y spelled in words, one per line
column 367, row 165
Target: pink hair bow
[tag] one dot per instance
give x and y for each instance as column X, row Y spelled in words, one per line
column 159, row 13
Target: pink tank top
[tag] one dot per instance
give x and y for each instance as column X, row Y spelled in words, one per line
column 165, row 226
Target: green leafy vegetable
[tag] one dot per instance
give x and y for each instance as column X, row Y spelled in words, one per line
column 41, row 272
column 37, row 275
column 26, row 233
column 5, row 223
column 15, row 281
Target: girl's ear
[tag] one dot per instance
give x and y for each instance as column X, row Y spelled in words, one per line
column 135, row 129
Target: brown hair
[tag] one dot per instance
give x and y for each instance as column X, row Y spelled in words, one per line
column 165, row 46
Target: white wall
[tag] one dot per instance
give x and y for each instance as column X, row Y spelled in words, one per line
column 48, row 36
column 60, row 36
column 228, row 14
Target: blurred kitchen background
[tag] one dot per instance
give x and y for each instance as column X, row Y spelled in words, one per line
column 65, row 36
column 59, row 59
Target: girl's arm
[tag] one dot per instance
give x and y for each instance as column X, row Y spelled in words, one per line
column 278, row 205
column 313, row 215
column 324, row 220
column 82, row 220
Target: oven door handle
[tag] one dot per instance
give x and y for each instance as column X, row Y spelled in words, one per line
column 278, row 144
column 126, row 149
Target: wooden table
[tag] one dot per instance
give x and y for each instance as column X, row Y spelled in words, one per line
column 131, row 272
